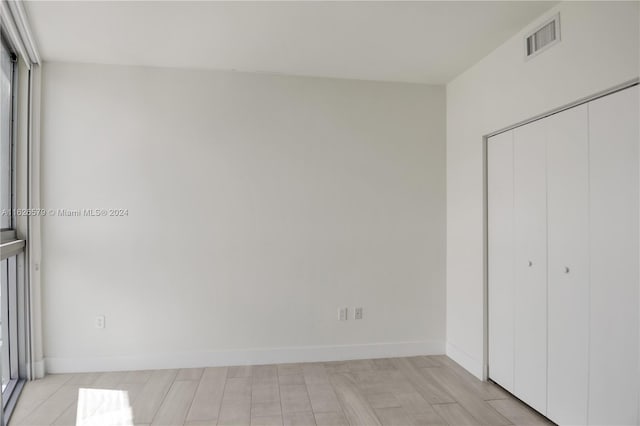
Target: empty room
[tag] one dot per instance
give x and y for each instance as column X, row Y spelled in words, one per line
column 319, row 213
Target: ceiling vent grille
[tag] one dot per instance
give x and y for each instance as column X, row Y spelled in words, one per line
column 543, row 37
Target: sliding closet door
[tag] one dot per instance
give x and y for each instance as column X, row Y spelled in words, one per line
column 530, row 212
column 568, row 267
column 614, row 138
column 501, row 258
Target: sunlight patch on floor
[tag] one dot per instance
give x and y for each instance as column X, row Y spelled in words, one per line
column 102, row 407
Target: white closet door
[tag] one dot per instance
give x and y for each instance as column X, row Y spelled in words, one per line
column 568, row 265
column 614, row 138
column 530, row 346
column 501, row 258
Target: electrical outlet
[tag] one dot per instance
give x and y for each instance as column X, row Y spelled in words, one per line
column 100, row 321
column 357, row 313
column 343, row 314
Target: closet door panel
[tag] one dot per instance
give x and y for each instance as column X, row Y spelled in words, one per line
column 501, row 258
column 568, row 265
column 614, row 138
column 530, row 208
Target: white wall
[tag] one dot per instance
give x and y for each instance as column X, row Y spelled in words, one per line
column 258, row 205
column 599, row 49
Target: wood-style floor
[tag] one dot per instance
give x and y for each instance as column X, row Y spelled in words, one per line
column 426, row 390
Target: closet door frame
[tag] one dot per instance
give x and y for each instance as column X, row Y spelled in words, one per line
column 485, row 219
column 501, row 318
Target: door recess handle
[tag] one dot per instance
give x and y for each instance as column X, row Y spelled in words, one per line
column 566, row 270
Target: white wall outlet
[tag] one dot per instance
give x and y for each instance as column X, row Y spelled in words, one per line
column 357, row 313
column 343, row 314
column 100, row 321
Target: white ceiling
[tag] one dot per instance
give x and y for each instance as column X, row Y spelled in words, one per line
column 426, row 42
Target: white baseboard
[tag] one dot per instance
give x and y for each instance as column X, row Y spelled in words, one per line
column 243, row 357
column 471, row 364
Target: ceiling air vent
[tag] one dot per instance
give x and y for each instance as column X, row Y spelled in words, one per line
column 543, row 37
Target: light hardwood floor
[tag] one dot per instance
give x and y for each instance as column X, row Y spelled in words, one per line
column 426, row 390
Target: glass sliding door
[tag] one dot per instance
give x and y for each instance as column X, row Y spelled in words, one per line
column 6, row 203
column 12, row 257
column 8, row 351
column 6, row 138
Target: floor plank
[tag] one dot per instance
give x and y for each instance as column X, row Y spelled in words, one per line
column 355, row 406
column 287, row 369
column 305, row 418
column 175, row 406
column 265, row 375
column 431, row 390
column 383, row 364
column 382, row 400
column 455, row 415
column 381, row 381
column 68, row 417
column 518, row 413
column 235, row 412
column 153, row 393
column 84, row 379
column 294, row 399
column 291, row 379
column 240, row 371
column 315, row 373
column 265, row 393
column 424, row 361
column 137, row 376
column 486, row 390
column 323, row 398
column 266, row 421
column 266, row 409
column 392, row 416
column 330, row 419
column 52, row 408
column 419, row 411
column 208, row 396
column 465, row 396
column 36, row 392
column 237, row 388
column 110, row 380
column 190, row 374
